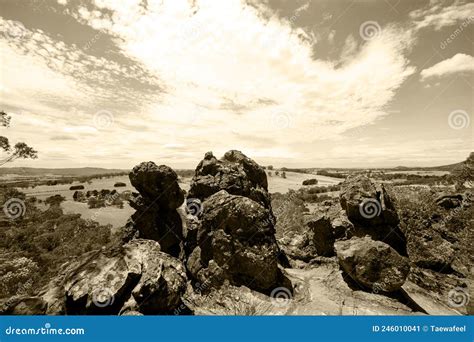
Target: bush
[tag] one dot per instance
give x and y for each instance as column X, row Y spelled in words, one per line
column 312, row 181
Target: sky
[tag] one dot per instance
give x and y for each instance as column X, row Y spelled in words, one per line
column 301, row 83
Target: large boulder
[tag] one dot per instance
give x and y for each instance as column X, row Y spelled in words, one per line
column 372, row 264
column 157, row 184
column 156, row 204
column 136, row 277
column 370, row 207
column 235, row 242
column 449, row 201
column 235, row 173
column 368, row 203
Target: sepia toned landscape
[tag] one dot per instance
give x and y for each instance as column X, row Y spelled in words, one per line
column 236, row 157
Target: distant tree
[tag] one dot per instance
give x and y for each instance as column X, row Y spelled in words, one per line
column 277, row 173
column 270, row 167
column 20, row 150
column 283, row 174
column 55, row 200
column 269, row 173
column 464, row 173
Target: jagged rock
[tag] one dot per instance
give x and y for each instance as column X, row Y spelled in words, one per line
column 299, row 246
column 156, row 215
column 136, row 277
column 235, row 173
column 367, row 203
column 321, row 235
column 372, row 264
column 24, row 305
column 157, row 185
column 449, row 201
column 371, row 209
column 236, row 242
column 432, row 251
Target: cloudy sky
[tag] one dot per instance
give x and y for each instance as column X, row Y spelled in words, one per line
column 292, row 83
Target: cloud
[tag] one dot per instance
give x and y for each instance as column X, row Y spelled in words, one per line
column 457, row 64
column 438, row 15
column 193, row 74
column 219, row 58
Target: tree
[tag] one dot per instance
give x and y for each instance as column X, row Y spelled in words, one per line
column 464, row 173
column 269, row 173
column 20, row 150
column 270, row 167
column 283, row 174
column 55, row 200
column 277, row 173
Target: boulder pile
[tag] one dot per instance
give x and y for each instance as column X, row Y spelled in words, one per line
column 135, row 278
column 235, row 238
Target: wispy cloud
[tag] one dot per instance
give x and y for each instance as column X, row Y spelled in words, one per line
column 460, row 63
column 437, row 15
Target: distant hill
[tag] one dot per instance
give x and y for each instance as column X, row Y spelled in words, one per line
column 75, row 172
column 449, row 167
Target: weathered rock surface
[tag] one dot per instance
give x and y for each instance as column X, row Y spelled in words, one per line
column 235, row 173
column 368, row 203
column 371, row 209
column 372, row 264
column 137, row 277
column 235, row 241
column 449, row 201
column 318, row 290
column 24, row 305
column 156, row 217
column 157, row 184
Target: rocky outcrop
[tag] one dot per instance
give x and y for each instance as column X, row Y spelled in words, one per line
column 137, row 277
column 235, row 173
column 372, row 264
column 233, row 236
column 235, row 242
column 156, row 217
column 371, row 209
column 449, row 201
